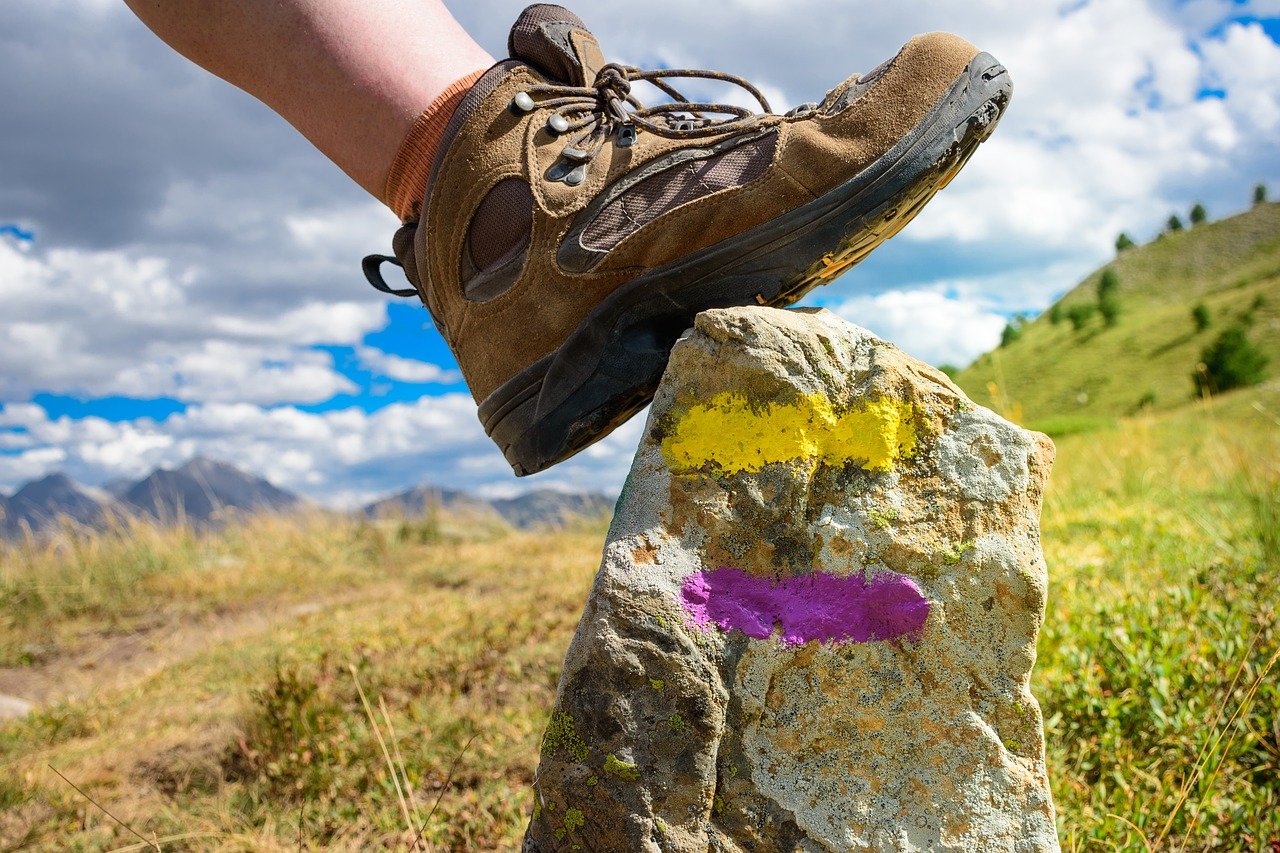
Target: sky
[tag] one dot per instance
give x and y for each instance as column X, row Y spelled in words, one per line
column 179, row 269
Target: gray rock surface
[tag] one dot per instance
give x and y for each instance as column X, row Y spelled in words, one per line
column 815, row 621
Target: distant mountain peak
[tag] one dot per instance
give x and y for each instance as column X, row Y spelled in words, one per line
column 204, row 465
column 537, row 508
column 48, row 486
column 41, row 503
column 56, row 480
column 203, row 490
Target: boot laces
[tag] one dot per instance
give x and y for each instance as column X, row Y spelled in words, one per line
column 607, row 108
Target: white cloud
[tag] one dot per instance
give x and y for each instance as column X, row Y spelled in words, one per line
column 104, row 322
column 930, row 326
column 1106, row 131
column 339, row 458
column 405, row 369
column 1246, row 63
column 222, row 371
column 199, row 248
column 311, row 323
column 31, row 464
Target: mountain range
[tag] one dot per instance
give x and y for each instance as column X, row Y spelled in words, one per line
column 204, row 492
column 539, row 508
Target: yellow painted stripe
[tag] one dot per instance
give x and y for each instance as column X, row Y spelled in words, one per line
column 736, row 435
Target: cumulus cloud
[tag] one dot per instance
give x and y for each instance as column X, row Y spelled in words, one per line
column 190, row 244
column 405, row 369
column 338, row 458
column 117, row 322
column 931, row 326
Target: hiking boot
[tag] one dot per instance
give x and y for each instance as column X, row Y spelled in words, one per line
column 569, row 234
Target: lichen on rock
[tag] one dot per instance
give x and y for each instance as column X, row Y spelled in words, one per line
column 815, row 620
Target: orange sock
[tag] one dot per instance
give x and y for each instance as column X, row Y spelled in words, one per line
column 407, row 180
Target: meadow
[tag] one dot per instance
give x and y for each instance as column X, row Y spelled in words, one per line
column 325, row 683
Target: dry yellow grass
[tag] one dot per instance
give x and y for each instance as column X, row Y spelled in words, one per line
column 211, row 652
column 215, row 682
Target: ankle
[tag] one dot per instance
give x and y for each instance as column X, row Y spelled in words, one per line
column 410, row 170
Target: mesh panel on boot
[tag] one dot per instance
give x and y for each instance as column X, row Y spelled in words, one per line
column 501, row 223
column 666, row 191
column 498, row 240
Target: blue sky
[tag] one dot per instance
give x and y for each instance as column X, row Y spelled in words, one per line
column 179, row 270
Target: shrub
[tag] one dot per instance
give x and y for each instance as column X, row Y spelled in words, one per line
column 1231, row 361
column 1079, row 315
column 1109, row 308
column 1175, row 224
column 1201, row 317
column 1198, row 214
column 1260, row 194
column 1055, row 313
column 1123, row 242
column 1010, row 334
column 1259, row 302
column 1108, row 284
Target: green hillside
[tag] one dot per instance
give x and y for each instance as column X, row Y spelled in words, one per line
column 1054, row 376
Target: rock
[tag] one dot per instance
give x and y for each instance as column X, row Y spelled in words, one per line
column 815, row 620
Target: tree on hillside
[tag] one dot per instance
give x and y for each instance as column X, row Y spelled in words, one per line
column 1123, row 242
column 1079, row 315
column 1198, row 214
column 1108, row 300
column 1055, row 313
column 1201, row 317
column 1109, row 308
column 1231, row 361
column 1175, row 224
column 1010, row 334
column 1260, row 194
column 1108, row 284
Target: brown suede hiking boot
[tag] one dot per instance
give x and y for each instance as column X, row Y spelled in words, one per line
column 569, row 234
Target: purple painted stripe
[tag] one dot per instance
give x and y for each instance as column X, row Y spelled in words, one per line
column 818, row 606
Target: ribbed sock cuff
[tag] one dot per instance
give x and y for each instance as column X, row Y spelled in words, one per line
column 407, row 180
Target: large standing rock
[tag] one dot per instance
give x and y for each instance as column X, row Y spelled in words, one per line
column 816, row 617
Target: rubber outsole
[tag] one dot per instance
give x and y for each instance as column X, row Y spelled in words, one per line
column 609, row 368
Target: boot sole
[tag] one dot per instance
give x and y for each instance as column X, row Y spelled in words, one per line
column 610, row 366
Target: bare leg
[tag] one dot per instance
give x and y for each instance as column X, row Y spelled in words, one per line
column 350, row 75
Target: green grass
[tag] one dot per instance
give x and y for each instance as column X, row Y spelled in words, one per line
column 1156, row 668
column 248, row 726
column 1146, row 360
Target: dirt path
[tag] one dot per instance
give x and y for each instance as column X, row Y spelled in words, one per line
column 109, row 661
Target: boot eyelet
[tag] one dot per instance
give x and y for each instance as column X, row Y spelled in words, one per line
column 557, row 124
column 523, row 102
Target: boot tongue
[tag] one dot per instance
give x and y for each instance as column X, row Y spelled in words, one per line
column 556, row 42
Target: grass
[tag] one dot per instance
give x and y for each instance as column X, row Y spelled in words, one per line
column 1157, row 662
column 1145, row 361
column 261, row 734
column 317, row 681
